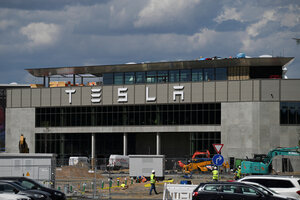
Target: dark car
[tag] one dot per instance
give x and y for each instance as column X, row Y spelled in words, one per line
column 14, row 187
column 32, row 184
column 231, row 191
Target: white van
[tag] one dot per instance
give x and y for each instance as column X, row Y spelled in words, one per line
column 118, row 161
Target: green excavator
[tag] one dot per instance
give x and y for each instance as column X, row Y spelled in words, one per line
column 263, row 166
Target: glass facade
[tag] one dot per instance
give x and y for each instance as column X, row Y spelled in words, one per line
column 172, row 76
column 203, row 141
column 135, row 115
column 290, row 113
column 76, row 144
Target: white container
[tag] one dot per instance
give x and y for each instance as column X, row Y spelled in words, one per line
column 142, row 165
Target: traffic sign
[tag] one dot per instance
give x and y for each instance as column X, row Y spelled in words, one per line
column 218, row 159
column 218, row 147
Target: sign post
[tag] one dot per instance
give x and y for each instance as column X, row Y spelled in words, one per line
column 218, row 159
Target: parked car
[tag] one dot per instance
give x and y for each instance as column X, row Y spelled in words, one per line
column 267, row 190
column 14, row 188
column 231, row 191
column 284, row 185
column 6, row 196
column 32, row 184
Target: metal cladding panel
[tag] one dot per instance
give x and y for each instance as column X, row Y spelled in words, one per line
column 162, row 93
column 55, row 96
column 171, row 91
column 246, row 90
column 124, row 94
column 221, row 91
column 234, row 91
column 209, row 91
column 290, row 90
column 36, row 97
column 26, row 98
column 139, row 94
column 46, row 97
column 87, row 96
column 75, row 96
column 197, row 92
column 256, row 90
column 8, row 98
column 130, row 94
column 270, row 90
column 152, row 93
column 107, row 95
column 187, row 92
column 16, row 98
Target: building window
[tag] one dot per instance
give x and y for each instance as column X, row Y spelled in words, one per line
column 289, row 113
column 118, row 78
column 129, row 78
column 221, row 73
column 209, row 74
column 185, row 75
column 197, row 75
column 174, row 76
column 162, row 76
column 140, row 77
column 108, row 78
column 151, row 77
column 133, row 115
column 202, row 141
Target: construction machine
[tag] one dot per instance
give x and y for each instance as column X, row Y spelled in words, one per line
column 264, row 164
column 197, row 163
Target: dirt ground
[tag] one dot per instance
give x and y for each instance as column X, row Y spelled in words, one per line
column 77, row 181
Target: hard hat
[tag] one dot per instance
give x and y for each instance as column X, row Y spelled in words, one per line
column 215, row 167
column 153, row 171
column 239, row 167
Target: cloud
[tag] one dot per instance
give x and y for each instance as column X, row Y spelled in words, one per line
column 159, row 12
column 41, row 34
column 254, row 29
column 229, row 13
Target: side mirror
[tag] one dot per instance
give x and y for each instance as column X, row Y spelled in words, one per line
column 15, row 191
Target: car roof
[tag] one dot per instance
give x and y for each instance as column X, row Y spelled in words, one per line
column 271, row 177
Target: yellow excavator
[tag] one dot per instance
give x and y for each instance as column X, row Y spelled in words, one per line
column 23, row 147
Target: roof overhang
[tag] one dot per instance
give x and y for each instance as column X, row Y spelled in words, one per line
column 99, row 70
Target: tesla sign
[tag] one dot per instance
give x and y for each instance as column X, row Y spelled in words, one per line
column 96, row 94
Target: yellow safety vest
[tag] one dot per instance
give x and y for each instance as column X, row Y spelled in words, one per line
column 239, row 173
column 152, row 179
column 215, row 174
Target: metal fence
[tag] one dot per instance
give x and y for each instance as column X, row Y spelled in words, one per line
column 101, row 182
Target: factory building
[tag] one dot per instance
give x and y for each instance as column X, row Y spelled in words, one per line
column 163, row 108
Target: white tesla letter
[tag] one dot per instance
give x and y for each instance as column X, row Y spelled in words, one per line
column 96, row 95
column 70, row 92
column 176, row 92
column 122, row 94
column 148, row 99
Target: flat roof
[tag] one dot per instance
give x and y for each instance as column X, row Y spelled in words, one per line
column 99, row 70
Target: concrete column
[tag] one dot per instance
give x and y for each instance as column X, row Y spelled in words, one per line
column 93, row 150
column 158, row 144
column 125, row 144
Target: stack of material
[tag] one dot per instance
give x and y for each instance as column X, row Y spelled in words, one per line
column 36, row 85
column 58, row 84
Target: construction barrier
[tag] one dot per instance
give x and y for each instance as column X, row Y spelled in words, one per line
column 178, row 191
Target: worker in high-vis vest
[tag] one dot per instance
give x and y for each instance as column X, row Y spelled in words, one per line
column 238, row 173
column 152, row 181
column 215, row 174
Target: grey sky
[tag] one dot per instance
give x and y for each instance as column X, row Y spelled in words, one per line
column 57, row 33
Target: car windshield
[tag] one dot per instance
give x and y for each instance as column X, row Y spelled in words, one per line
column 19, row 186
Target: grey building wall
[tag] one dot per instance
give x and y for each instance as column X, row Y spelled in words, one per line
column 19, row 121
column 250, row 128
